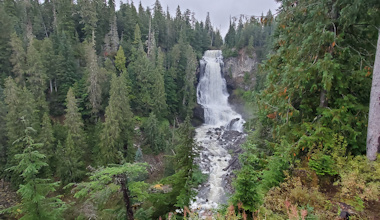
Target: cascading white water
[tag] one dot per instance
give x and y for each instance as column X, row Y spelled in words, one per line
column 213, row 96
column 219, row 116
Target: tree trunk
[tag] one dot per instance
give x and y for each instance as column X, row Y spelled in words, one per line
column 373, row 134
column 127, row 201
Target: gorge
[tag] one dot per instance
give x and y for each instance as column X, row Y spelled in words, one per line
column 220, row 122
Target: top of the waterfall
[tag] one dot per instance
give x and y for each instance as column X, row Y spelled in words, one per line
column 213, row 54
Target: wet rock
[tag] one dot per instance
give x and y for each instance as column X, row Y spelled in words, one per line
column 232, row 123
column 198, row 116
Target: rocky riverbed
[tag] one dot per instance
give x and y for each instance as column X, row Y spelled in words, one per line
column 218, row 150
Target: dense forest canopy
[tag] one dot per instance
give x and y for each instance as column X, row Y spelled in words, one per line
column 89, row 94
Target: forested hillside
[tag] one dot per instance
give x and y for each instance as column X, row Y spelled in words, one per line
column 306, row 157
column 89, row 89
column 96, row 106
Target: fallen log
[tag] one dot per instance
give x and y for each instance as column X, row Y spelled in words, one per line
column 229, row 165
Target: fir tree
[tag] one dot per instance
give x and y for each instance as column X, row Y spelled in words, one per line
column 117, row 125
column 35, row 203
column 93, row 79
column 153, row 134
column 36, row 77
column 5, row 38
column 74, row 122
column 18, row 59
column 70, row 167
column 21, row 114
column 102, row 182
column 46, row 136
column 120, row 60
column 158, row 94
column 89, row 15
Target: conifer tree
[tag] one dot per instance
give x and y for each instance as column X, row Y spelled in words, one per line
column 36, row 77
column 74, row 125
column 49, row 62
column 18, row 59
column 35, row 203
column 21, row 113
column 5, row 38
column 102, row 182
column 46, row 136
column 188, row 100
column 70, row 167
column 182, row 162
column 159, row 105
column 231, row 35
column 140, row 70
column 93, row 79
column 153, row 134
column 89, row 15
column 120, row 60
column 117, row 125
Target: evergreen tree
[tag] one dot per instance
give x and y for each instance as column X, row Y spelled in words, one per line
column 218, row 40
column 118, row 122
column 89, row 15
column 18, row 59
column 74, row 125
column 70, row 167
column 140, row 70
column 120, row 60
column 231, row 35
column 188, row 100
column 49, row 62
column 102, row 182
column 36, row 77
column 159, row 24
column 159, row 105
column 315, row 90
column 153, row 134
column 66, row 74
column 21, row 114
column 181, row 181
column 46, row 136
column 35, row 203
column 5, row 38
column 93, row 79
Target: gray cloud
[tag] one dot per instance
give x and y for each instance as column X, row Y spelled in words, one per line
column 220, row 10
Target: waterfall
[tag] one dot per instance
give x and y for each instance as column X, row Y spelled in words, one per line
column 213, row 96
column 219, row 117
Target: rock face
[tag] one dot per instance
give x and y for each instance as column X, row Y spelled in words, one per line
column 239, row 71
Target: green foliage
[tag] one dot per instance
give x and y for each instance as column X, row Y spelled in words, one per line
column 74, row 124
column 36, row 77
column 117, row 127
column 104, row 185
column 183, row 180
column 5, row 37
column 154, row 134
column 144, row 214
column 36, row 202
column 322, row 165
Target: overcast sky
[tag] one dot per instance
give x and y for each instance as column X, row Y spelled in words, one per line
column 220, row 10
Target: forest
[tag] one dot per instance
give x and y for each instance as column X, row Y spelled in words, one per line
column 91, row 95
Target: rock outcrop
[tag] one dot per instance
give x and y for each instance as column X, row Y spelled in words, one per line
column 240, row 71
